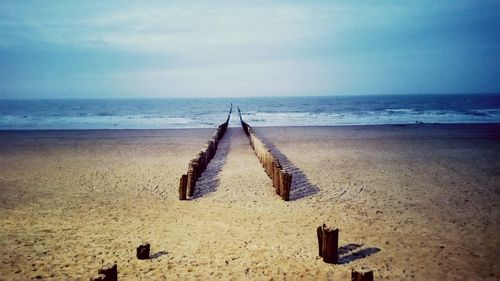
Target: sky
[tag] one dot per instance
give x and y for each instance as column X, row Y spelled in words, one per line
column 136, row 49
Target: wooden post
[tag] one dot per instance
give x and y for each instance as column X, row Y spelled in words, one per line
column 192, row 177
column 319, row 232
column 211, row 144
column 215, row 141
column 209, row 151
column 329, row 244
column 110, row 271
column 183, row 187
column 143, row 251
column 286, row 187
column 276, row 175
column 282, row 182
column 362, row 275
column 198, row 166
column 204, row 157
column 269, row 163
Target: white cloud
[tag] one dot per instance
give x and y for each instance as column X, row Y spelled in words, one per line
column 293, row 77
column 177, row 29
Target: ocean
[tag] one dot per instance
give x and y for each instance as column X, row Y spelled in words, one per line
column 263, row 111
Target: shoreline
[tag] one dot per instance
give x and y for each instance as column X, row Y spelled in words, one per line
column 495, row 124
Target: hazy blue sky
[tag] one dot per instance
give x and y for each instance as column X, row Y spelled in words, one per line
column 221, row 48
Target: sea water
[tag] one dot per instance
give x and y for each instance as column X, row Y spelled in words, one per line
column 262, row 111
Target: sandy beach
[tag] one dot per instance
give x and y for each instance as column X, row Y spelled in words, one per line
column 413, row 202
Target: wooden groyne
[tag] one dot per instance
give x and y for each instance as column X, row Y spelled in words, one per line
column 282, row 179
column 199, row 162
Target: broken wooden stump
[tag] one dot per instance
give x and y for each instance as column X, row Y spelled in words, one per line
column 110, row 272
column 183, row 187
column 328, row 242
column 143, row 251
column 362, row 274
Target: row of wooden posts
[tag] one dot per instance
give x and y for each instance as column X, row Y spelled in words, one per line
column 200, row 161
column 282, row 179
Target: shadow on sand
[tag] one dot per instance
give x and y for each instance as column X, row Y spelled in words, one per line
column 301, row 186
column 209, row 180
column 157, row 255
column 352, row 252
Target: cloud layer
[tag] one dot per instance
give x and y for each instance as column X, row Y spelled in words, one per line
column 219, row 48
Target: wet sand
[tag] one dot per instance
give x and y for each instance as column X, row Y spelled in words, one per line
column 411, row 202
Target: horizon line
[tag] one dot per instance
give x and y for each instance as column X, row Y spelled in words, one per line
column 237, row 97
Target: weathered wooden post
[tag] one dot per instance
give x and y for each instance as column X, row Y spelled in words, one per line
column 328, row 242
column 215, row 141
column 212, row 149
column 286, row 187
column 204, row 157
column 319, row 232
column 183, row 187
column 269, row 163
column 282, row 183
column 265, row 161
column 110, row 272
column 192, row 177
column 216, row 135
column 209, row 151
column 362, row 275
column 198, row 167
column 203, row 162
column 276, row 175
column 143, row 251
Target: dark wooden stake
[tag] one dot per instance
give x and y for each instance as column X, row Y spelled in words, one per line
column 362, row 275
column 183, row 187
column 286, row 187
column 282, row 182
column 319, row 231
column 192, row 177
column 143, row 251
column 110, row 271
column 329, row 244
column 276, row 179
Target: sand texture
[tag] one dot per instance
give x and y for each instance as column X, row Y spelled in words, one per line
column 411, row 202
